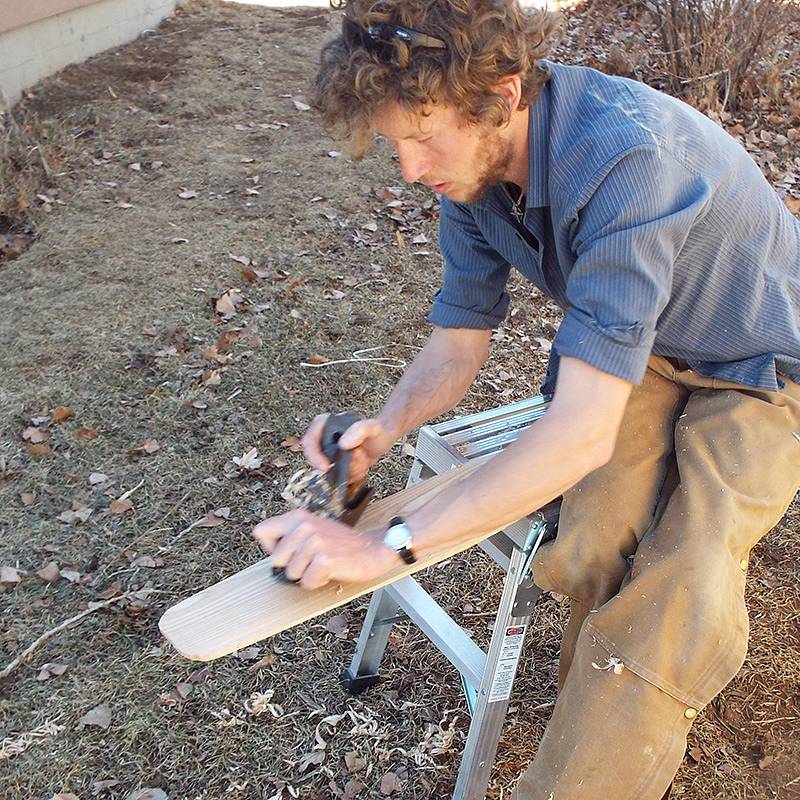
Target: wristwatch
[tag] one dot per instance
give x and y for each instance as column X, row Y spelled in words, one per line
column 398, row 538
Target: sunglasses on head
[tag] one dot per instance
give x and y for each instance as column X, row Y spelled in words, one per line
column 380, row 38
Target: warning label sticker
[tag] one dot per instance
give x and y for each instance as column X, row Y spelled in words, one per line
column 510, row 652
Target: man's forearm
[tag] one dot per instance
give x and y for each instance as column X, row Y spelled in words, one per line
column 542, row 464
column 572, row 439
column 437, row 379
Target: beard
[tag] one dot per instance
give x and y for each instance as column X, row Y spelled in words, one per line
column 495, row 153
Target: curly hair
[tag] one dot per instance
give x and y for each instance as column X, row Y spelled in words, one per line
column 486, row 40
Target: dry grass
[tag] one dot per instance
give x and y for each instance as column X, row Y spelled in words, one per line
column 90, row 314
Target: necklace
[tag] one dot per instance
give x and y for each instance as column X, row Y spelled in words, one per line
column 517, row 204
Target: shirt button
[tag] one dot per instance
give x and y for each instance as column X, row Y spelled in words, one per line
column 690, row 713
column 743, row 565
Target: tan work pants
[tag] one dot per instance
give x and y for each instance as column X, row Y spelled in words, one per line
column 652, row 550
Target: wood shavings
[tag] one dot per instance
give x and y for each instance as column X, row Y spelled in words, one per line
column 12, row 746
column 613, row 663
column 259, row 703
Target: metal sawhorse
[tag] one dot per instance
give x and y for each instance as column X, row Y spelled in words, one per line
column 487, row 677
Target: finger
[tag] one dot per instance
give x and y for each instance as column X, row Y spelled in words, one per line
column 359, row 432
column 317, row 573
column 268, row 532
column 311, row 443
column 287, row 545
column 304, row 553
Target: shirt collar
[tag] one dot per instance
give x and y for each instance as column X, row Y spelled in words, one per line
column 538, row 130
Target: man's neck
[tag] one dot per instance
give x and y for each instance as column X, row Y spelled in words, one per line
column 518, row 168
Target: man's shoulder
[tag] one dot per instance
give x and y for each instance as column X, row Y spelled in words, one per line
column 597, row 119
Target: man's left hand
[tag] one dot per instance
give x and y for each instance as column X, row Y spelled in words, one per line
column 315, row 550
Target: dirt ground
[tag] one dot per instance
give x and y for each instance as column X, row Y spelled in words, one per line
column 187, row 174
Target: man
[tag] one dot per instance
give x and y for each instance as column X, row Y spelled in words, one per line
column 674, row 431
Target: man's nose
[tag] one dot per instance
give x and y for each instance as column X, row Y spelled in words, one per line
column 413, row 163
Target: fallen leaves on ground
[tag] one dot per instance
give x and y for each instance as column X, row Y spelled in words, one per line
column 214, row 518
column 34, row 435
column 120, row 506
column 49, row 670
column 226, row 305
column 148, row 446
column 249, row 460
column 147, row 793
column 61, row 413
column 50, row 572
column 98, row 717
column 9, row 576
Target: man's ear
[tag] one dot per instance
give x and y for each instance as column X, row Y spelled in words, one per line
column 510, row 89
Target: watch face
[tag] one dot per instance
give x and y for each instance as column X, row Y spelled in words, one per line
column 397, row 537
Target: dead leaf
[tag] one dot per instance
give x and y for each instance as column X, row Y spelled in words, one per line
column 75, row 515
column 300, row 105
column 279, row 462
column 98, row 717
column 248, row 460
column 696, row 754
column 243, row 260
column 226, row 340
column 544, row 344
column 337, row 625
column 99, row 787
column 39, row 450
column 71, row 575
column 149, row 446
column 187, row 194
column 61, row 413
column 87, row 433
column 291, row 286
column 250, row 337
column 354, row 762
column 226, row 305
column 248, row 653
column 352, row 789
column 145, row 561
column 249, row 275
column 9, row 576
column 390, row 783
column 765, row 762
column 317, row 358
column 50, row 572
column 293, row 443
column 212, row 378
column 214, row 518
column 34, row 435
column 26, row 498
column 120, row 506
column 147, row 794
column 96, row 478
column 47, row 671
column 793, row 204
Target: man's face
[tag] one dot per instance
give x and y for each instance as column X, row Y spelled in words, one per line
column 446, row 153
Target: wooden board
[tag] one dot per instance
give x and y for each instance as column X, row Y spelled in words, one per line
column 253, row 605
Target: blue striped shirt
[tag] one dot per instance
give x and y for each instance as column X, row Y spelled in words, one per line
column 648, row 224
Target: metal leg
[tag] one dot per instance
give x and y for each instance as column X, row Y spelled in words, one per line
column 363, row 670
column 491, row 699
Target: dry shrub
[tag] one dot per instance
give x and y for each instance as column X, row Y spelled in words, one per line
column 717, row 50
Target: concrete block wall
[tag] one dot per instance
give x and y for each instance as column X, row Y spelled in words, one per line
column 42, row 42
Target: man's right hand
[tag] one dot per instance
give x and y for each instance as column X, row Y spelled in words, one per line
column 367, row 438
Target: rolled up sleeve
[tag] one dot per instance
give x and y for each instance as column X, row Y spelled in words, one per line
column 627, row 234
column 473, row 288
